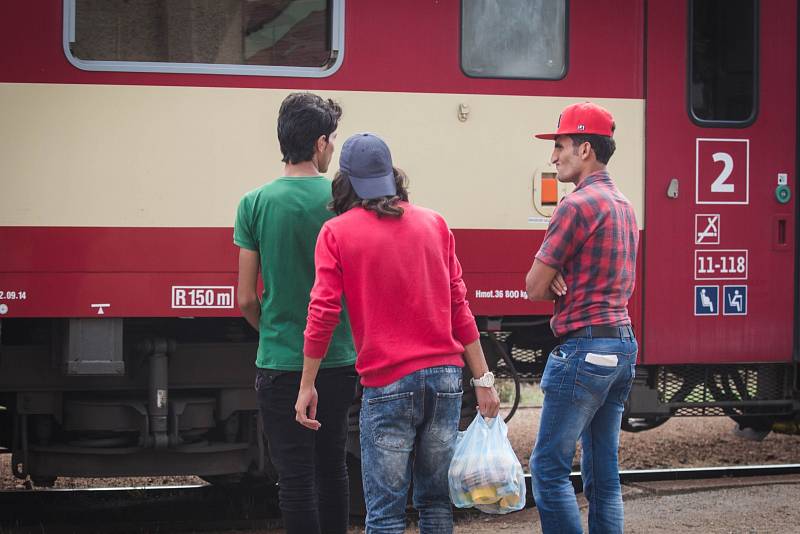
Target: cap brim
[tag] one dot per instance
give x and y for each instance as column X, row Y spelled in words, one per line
column 368, row 188
column 546, row 136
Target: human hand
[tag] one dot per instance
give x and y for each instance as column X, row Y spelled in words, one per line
column 558, row 286
column 306, row 408
column 488, row 401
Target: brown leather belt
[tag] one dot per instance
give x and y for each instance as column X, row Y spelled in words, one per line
column 601, row 331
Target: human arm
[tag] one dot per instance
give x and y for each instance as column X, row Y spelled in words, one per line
column 325, row 306
column 247, row 289
column 306, row 406
column 463, row 322
column 488, row 400
column 545, row 280
column 539, row 281
column 466, row 332
column 323, row 316
column 245, row 237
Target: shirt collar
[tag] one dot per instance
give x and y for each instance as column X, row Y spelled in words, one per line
column 599, row 176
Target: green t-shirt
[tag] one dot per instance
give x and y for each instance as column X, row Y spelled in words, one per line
column 281, row 221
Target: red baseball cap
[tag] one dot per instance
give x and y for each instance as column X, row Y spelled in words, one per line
column 583, row 118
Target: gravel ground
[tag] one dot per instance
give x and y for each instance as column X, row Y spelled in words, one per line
column 8, row 481
column 759, row 509
column 681, row 442
column 747, row 510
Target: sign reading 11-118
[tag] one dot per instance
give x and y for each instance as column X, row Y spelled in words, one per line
column 720, row 264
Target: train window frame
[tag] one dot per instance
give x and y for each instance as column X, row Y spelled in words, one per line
column 715, row 123
column 336, row 41
column 564, row 70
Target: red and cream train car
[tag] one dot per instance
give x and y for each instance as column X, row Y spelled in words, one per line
column 130, row 129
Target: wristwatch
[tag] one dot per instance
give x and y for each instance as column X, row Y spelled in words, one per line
column 486, row 381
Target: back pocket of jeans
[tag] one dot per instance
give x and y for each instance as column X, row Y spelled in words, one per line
column 554, row 369
column 446, row 413
column 389, row 420
column 593, row 379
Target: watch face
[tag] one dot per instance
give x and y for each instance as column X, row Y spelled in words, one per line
column 487, row 380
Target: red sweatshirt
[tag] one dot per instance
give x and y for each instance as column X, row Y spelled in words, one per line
column 402, row 283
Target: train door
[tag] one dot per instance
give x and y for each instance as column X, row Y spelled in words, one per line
column 721, row 183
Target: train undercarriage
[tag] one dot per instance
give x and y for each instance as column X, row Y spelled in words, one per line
column 144, row 397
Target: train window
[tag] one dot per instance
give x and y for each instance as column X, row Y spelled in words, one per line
column 514, row 38
column 255, row 37
column 723, row 72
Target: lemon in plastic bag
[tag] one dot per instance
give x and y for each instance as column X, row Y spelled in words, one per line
column 485, row 472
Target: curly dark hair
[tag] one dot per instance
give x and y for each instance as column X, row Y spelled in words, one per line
column 345, row 197
column 302, row 119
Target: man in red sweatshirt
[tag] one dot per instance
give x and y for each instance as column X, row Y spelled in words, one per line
column 395, row 265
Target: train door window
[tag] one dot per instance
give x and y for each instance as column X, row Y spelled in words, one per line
column 255, row 37
column 514, row 38
column 723, row 73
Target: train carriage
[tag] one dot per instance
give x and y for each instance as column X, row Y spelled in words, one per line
column 130, row 129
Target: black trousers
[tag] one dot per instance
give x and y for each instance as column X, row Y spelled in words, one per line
column 313, row 487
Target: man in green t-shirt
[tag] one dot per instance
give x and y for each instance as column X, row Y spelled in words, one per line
column 276, row 230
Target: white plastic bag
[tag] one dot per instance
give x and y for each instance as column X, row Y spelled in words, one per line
column 485, row 472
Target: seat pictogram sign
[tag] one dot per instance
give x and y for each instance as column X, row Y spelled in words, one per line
column 734, row 300
column 706, row 300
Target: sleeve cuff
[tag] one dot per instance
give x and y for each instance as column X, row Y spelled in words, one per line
column 547, row 260
column 467, row 333
column 315, row 349
column 245, row 244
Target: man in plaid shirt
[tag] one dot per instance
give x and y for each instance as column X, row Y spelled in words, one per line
column 587, row 265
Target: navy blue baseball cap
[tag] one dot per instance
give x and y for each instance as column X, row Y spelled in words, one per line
column 367, row 162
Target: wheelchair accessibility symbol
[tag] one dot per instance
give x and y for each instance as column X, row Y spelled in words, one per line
column 734, row 300
column 706, row 300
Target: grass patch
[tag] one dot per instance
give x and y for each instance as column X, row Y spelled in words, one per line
column 531, row 394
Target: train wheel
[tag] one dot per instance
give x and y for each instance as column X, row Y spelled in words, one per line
column 640, row 424
column 753, row 427
column 44, row 482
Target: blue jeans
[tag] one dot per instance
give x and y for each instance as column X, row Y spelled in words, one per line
column 582, row 400
column 408, row 430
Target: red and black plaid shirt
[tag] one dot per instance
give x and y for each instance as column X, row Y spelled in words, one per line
column 591, row 240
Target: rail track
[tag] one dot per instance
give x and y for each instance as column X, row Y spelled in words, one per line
column 218, row 508
column 139, row 509
column 691, row 473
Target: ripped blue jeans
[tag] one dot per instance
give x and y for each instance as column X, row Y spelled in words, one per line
column 585, row 383
column 408, row 432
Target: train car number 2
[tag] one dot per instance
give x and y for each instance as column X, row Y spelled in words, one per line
column 722, row 171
